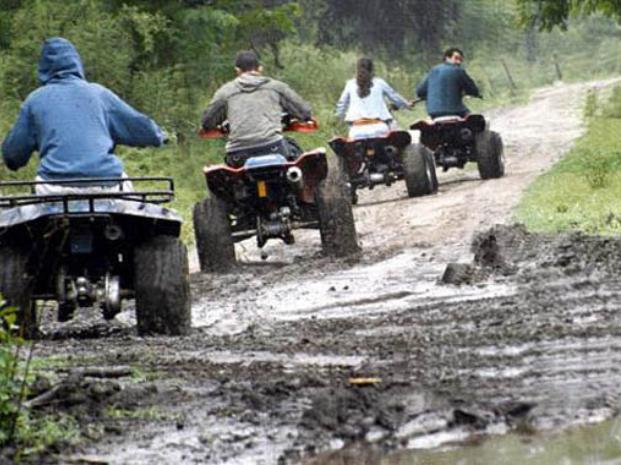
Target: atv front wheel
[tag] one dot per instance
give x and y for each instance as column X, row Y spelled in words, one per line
column 490, row 158
column 336, row 218
column 16, row 288
column 419, row 170
column 212, row 229
column 162, row 286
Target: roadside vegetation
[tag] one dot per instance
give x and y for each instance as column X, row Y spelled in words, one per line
column 583, row 190
column 24, row 432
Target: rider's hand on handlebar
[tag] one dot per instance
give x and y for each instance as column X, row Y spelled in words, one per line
column 170, row 137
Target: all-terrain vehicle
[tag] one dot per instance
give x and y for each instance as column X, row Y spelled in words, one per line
column 95, row 249
column 385, row 160
column 455, row 141
column 270, row 195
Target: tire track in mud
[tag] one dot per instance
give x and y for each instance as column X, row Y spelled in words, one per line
column 533, row 342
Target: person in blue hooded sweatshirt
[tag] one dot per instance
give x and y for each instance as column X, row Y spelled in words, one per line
column 74, row 125
column 445, row 86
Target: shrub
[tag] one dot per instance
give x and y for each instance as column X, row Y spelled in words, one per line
column 10, row 385
column 597, row 166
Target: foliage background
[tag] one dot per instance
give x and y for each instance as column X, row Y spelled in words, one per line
column 168, row 57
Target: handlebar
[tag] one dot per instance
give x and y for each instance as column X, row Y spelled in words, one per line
column 216, row 133
column 289, row 125
column 295, row 125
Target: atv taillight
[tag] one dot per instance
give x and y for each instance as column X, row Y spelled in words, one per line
column 302, row 126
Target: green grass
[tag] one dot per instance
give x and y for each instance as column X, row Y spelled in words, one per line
column 38, row 432
column 582, row 191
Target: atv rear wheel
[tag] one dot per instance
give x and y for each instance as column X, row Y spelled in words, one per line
column 490, row 158
column 353, row 195
column 336, row 218
column 431, row 162
column 212, row 229
column 420, row 170
column 16, row 288
column 162, row 285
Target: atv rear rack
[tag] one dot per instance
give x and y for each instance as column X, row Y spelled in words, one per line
column 155, row 196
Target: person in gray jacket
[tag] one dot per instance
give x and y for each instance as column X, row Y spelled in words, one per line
column 253, row 105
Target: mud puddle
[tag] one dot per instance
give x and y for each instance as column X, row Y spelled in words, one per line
column 594, row 445
column 533, row 345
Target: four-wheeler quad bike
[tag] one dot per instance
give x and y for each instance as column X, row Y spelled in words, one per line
column 455, row 141
column 95, row 249
column 269, row 196
column 384, row 160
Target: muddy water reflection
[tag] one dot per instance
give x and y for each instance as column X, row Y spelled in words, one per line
column 589, row 445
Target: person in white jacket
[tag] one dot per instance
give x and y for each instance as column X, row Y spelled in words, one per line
column 362, row 104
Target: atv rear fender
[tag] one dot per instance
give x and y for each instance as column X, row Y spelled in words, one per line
column 476, row 123
column 221, row 178
column 434, row 133
column 346, row 146
column 140, row 208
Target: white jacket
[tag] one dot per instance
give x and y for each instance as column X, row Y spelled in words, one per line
column 352, row 107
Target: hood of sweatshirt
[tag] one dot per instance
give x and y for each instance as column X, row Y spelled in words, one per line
column 250, row 82
column 59, row 60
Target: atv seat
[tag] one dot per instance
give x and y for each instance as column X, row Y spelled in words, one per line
column 448, row 119
column 474, row 122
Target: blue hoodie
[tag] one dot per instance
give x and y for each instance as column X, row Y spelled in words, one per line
column 443, row 89
column 74, row 124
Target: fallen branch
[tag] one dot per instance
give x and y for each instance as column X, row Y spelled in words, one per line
column 102, row 372
column 46, row 398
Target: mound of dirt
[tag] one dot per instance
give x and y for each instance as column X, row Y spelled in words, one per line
column 462, row 273
column 511, row 249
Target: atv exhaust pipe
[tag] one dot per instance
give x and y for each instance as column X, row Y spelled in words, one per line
column 377, row 178
column 294, row 176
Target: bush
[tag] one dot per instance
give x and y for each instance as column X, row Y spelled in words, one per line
column 23, row 431
column 11, row 386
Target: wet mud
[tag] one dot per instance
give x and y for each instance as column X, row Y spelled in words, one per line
column 444, row 328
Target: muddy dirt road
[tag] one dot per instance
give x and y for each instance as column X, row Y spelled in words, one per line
column 531, row 339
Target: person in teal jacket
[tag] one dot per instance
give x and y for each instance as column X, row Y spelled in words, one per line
column 75, row 125
column 445, row 86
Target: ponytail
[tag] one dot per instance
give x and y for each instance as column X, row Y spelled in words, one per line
column 364, row 76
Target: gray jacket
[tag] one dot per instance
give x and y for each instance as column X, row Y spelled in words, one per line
column 253, row 106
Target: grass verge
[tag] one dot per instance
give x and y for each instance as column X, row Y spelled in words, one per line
column 582, row 191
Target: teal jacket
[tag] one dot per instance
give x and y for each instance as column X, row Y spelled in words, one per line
column 444, row 88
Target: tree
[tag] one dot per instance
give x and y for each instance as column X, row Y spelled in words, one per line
column 416, row 26
column 552, row 13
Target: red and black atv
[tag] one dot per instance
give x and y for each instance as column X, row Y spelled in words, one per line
column 384, row 160
column 455, row 141
column 268, row 196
